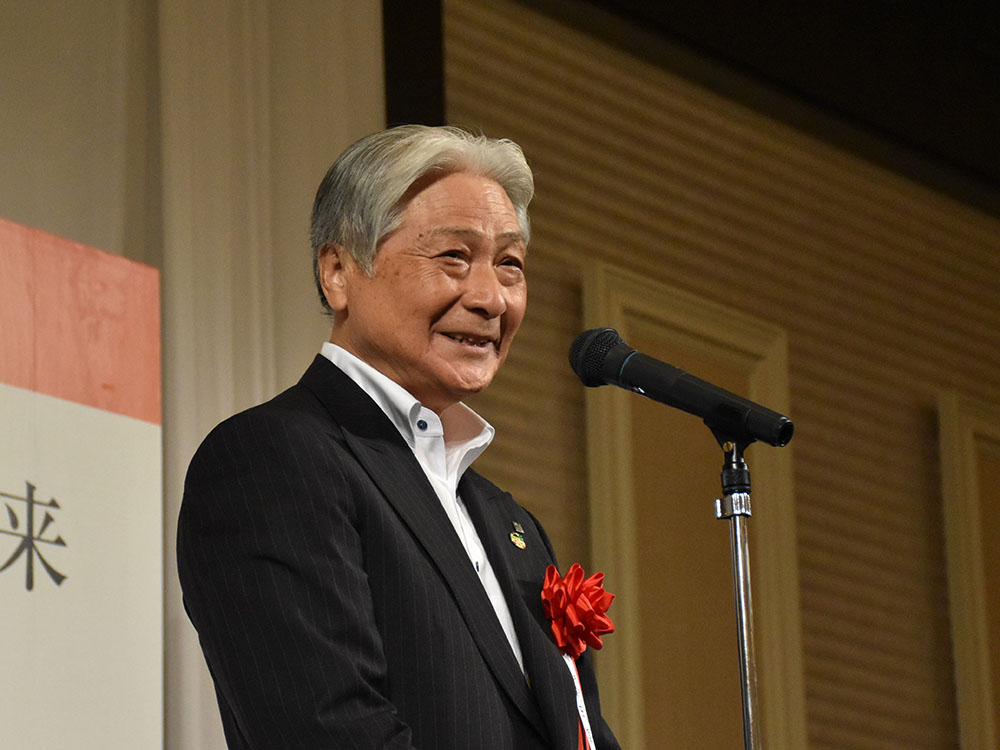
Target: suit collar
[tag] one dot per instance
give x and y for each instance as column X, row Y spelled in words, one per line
column 347, row 402
column 460, row 424
column 390, row 463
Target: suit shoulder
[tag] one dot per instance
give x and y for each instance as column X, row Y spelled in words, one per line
column 296, row 407
column 287, row 429
column 488, row 489
column 482, row 484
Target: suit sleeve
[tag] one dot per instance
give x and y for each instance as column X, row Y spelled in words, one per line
column 270, row 562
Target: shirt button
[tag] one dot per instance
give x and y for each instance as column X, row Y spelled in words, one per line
column 421, row 424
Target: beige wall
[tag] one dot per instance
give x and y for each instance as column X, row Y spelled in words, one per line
column 78, row 120
column 191, row 136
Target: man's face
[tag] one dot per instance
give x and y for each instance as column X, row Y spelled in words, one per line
column 447, row 295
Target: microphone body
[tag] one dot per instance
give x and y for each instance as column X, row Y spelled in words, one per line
column 601, row 357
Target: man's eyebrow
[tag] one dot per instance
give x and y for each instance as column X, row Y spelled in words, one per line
column 513, row 235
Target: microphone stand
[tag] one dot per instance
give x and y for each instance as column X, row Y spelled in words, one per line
column 734, row 506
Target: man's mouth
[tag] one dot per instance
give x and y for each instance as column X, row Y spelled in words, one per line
column 481, row 342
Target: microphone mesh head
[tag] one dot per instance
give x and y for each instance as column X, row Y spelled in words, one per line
column 588, row 351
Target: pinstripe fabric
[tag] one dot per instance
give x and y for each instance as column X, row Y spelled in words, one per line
column 334, row 602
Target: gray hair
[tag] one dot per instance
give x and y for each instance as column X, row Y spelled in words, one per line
column 359, row 201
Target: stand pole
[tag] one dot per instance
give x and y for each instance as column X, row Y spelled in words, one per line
column 734, row 506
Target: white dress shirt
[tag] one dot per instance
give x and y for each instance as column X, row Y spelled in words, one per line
column 444, row 447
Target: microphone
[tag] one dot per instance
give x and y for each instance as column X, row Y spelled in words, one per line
column 600, row 357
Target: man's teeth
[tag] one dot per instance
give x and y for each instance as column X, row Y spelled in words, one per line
column 477, row 341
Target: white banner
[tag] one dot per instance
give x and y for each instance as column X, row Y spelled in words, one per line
column 81, row 585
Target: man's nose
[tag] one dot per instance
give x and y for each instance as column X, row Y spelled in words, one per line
column 484, row 292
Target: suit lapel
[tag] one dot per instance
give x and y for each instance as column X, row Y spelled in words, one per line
column 550, row 679
column 394, row 469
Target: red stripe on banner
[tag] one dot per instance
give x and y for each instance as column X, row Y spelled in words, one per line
column 78, row 323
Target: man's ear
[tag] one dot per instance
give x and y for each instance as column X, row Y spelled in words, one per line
column 333, row 262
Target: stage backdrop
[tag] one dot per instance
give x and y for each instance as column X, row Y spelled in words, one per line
column 81, row 580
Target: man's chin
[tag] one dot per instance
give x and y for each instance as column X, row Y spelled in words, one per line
column 470, row 386
column 472, row 389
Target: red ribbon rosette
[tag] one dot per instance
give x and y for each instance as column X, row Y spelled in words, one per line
column 577, row 607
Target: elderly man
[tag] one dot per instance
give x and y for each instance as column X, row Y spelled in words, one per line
column 353, row 583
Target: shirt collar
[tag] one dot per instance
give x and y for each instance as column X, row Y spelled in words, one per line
column 466, row 434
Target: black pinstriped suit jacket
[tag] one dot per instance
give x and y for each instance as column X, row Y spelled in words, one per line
column 335, row 603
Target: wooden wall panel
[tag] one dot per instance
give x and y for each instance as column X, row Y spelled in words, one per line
column 886, row 288
column 970, row 460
